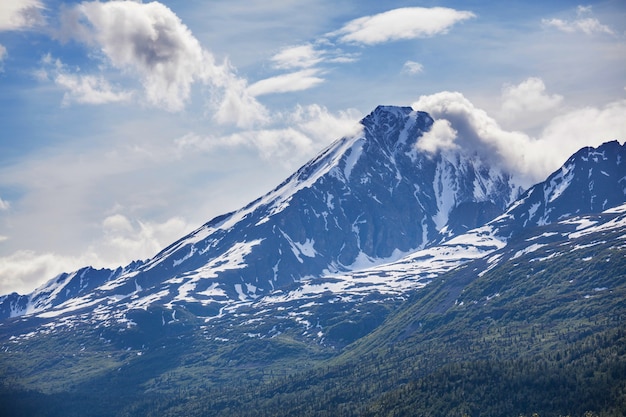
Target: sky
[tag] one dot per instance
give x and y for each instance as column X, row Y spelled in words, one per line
column 125, row 125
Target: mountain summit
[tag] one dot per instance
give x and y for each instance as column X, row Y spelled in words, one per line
column 366, row 199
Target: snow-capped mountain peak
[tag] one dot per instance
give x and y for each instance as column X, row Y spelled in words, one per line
column 366, row 199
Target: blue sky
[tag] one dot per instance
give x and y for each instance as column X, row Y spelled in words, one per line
column 125, row 125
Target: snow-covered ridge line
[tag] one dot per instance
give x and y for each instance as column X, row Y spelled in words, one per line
column 369, row 214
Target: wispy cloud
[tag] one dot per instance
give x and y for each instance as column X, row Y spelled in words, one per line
column 310, row 128
column 403, row 23
column 583, row 23
column 300, row 56
column 20, row 14
column 3, row 54
column 392, row 25
column 294, row 81
column 80, row 88
column 412, row 67
column 4, row 205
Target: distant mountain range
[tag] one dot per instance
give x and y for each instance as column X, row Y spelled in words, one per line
column 327, row 263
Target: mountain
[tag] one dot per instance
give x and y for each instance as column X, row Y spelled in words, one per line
column 365, row 200
column 590, row 181
column 377, row 279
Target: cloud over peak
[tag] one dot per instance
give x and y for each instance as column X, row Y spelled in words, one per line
column 461, row 125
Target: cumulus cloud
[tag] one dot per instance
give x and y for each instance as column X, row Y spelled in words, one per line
column 20, row 14
column 587, row 126
column 295, row 81
column 586, row 25
column 323, row 126
column 529, row 95
column 527, row 104
column 150, row 42
column 441, row 136
column 529, row 159
column 235, row 105
column 403, row 23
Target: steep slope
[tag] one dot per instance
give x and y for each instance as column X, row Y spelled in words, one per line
column 537, row 327
column 590, row 181
column 365, row 200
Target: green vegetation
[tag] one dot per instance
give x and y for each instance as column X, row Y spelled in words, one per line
column 543, row 333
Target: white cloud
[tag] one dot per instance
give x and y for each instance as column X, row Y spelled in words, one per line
column 149, row 41
column 587, row 126
column 527, row 105
column 528, row 96
column 529, row 159
column 441, row 136
column 310, row 129
column 89, row 89
column 322, row 126
column 124, row 238
column 412, row 67
column 24, row 270
column 86, row 89
column 4, row 205
column 295, row 81
column 301, row 56
column 403, row 23
column 235, row 105
column 475, row 131
column 3, row 53
column 586, row 25
column 20, row 14
column 122, row 241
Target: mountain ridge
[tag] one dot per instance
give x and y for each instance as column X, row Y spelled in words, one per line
column 365, row 199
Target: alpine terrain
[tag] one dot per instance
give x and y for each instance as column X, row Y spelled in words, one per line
column 379, row 279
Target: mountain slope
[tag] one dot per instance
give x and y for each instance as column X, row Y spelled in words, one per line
column 353, row 288
column 365, row 200
column 535, row 327
column 590, row 181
